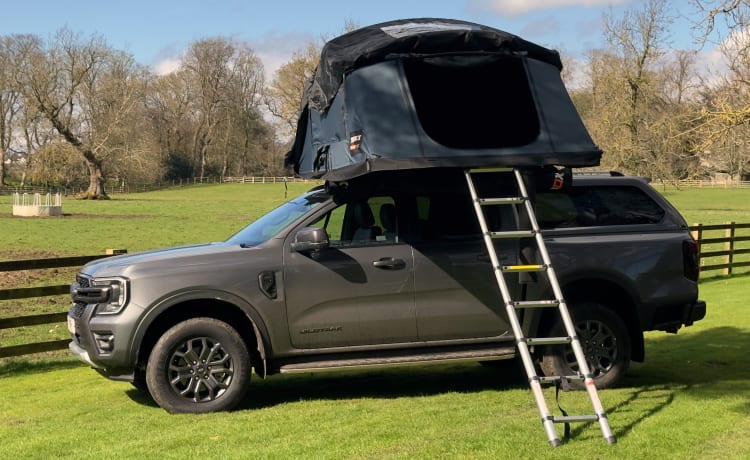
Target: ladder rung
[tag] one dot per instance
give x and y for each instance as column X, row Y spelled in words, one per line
column 559, row 378
column 575, row 418
column 490, row 170
column 536, row 303
column 513, row 234
column 523, row 268
column 548, row 340
column 502, row 200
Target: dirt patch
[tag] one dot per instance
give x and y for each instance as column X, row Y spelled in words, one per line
column 23, row 278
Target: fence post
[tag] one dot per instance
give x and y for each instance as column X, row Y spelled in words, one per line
column 697, row 235
column 729, row 246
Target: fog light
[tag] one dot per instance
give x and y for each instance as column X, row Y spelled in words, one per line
column 104, row 342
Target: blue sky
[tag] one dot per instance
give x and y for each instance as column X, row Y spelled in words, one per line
column 156, row 32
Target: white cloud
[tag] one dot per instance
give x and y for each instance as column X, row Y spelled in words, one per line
column 166, row 66
column 519, row 7
column 275, row 49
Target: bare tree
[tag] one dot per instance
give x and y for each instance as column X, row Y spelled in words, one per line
column 87, row 92
column 638, row 92
column 285, row 91
column 246, row 133
column 168, row 108
column 289, row 81
column 724, row 122
column 636, row 39
column 10, row 105
column 207, row 64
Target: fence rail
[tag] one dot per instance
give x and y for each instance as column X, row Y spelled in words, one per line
column 723, row 247
column 40, row 291
column 702, row 183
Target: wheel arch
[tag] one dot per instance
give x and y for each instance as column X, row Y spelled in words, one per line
column 610, row 294
column 181, row 308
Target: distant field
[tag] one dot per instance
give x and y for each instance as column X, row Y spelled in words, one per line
column 710, row 206
column 185, row 215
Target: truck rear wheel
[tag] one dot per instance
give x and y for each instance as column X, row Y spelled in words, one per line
column 605, row 342
column 199, row 365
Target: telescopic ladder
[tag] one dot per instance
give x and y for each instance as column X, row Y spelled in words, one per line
column 512, row 307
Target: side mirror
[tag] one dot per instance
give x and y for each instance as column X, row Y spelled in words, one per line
column 310, row 239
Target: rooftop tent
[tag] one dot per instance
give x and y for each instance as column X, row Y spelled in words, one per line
column 420, row 93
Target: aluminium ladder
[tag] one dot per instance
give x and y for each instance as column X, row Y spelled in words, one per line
column 511, row 306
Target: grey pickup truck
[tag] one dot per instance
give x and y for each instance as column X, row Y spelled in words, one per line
column 386, row 269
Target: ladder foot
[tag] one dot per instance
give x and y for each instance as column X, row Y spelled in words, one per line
column 611, row 440
column 555, row 443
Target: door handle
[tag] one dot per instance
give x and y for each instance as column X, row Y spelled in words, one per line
column 389, row 263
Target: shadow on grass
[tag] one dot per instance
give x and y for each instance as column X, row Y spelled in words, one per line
column 12, row 366
column 710, row 364
column 385, row 383
column 707, row 364
column 141, row 397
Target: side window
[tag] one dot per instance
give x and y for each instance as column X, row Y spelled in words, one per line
column 366, row 221
column 447, row 216
column 596, row 206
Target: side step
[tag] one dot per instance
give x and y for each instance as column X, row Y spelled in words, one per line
column 349, row 361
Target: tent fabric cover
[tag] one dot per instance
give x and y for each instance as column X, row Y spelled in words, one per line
column 428, row 92
column 416, row 37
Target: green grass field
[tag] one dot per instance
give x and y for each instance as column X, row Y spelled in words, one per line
column 711, row 206
column 690, row 399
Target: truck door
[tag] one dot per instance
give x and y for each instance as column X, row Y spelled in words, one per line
column 456, row 293
column 360, row 290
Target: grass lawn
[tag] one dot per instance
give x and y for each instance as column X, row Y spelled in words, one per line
column 690, row 399
column 195, row 214
column 710, row 206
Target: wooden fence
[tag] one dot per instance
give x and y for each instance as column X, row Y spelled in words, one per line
column 41, row 291
column 724, row 247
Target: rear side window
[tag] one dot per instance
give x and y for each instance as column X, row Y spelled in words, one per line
column 596, row 206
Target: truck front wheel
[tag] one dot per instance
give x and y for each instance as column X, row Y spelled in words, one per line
column 605, row 342
column 199, row 365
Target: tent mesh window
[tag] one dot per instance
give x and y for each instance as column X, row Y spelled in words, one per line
column 488, row 105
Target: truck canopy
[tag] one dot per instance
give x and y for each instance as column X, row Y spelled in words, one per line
column 418, row 93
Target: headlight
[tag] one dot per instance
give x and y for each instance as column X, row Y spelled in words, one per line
column 114, row 294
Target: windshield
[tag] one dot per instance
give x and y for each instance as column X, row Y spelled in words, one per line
column 272, row 223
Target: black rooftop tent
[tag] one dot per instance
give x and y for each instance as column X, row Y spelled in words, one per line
column 418, row 93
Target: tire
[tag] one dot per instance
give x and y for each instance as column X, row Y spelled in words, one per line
column 199, row 365
column 605, row 342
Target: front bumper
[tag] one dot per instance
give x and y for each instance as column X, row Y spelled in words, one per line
column 81, row 354
column 102, row 342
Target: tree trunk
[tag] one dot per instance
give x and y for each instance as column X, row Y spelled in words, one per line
column 96, row 177
column 2, row 166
